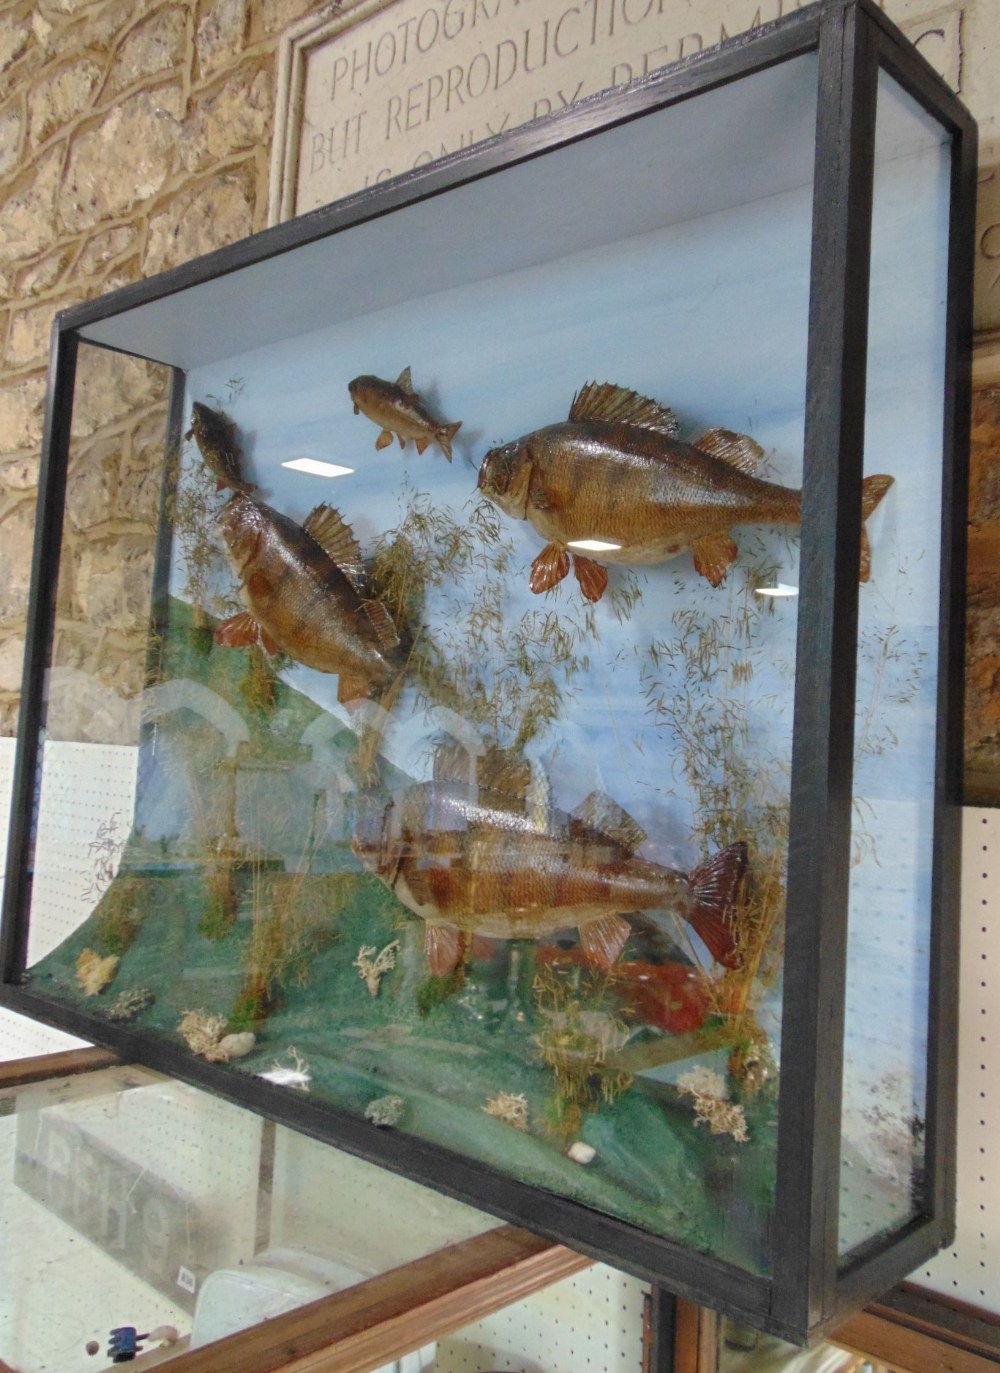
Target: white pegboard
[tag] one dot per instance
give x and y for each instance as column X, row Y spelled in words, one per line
column 968, row 1269
column 591, row 1323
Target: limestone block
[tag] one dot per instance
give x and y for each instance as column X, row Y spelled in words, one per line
column 11, row 664
column 114, row 581
column 104, row 247
column 220, row 35
column 21, row 407
column 15, row 561
column 124, row 160
column 11, row 133
column 156, row 45
column 19, row 472
column 27, row 216
column 238, row 116
column 43, row 273
column 110, row 386
column 28, row 340
column 62, row 96
column 198, row 220
column 15, row 35
column 274, row 16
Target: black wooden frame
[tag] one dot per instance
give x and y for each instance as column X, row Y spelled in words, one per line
column 809, row 1291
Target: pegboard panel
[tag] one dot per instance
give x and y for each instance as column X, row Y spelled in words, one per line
column 968, row 1269
column 591, row 1323
column 84, row 817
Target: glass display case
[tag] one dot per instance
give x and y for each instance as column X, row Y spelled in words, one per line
column 421, row 739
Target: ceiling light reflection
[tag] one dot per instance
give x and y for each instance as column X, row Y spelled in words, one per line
column 315, row 468
column 780, row 590
column 593, row 545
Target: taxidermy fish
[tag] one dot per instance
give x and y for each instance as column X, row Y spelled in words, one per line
column 304, row 589
column 397, row 409
column 468, row 862
column 617, row 473
column 215, row 435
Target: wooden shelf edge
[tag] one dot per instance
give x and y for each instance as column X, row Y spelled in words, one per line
column 919, row 1344
column 20, row 1071
column 380, row 1320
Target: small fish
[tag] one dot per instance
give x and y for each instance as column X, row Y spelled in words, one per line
column 397, row 409
column 468, row 862
column 617, row 473
column 304, row 589
column 215, row 435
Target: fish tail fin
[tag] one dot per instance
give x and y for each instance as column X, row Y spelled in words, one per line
column 445, row 435
column 717, row 886
column 873, row 490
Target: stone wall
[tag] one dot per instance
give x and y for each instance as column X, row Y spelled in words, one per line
column 133, row 136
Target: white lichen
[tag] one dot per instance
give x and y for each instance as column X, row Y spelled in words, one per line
column 385, row 1110
column 201, row 1032
column 712, row 1106
column 373, row 967
column 511, row 1109
column 93, row 972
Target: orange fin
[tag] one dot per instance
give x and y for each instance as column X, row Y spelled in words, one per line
column 616, row 404
column 405, row 382
column 604, row 939
column 549, row 568
column 598, row 812
column 402, row 441
column 443, row 944
column 381, row 621
column 422, row 445
column 352, row 688
column 713, row 556
column 384, row 439
column 872, row 491
column 269, row 644
column 738, row 450
column 717, row 887
column 327, row 527
column 593, row 578
column 239, row 631
column 444, row 435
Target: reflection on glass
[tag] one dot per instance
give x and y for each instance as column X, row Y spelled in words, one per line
column 886, row 1028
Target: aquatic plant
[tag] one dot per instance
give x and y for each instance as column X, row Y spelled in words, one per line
column 511, row 1108
column 373, row 967
column 118, row 918
column 578, row 1039
column 93, row 973
column 105, row 851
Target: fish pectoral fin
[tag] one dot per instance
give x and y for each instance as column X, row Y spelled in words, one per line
column 593, row 578
column 617, row 405
column 351, row 688
column 327, row 527
column 402, row 441
column 604, row 939
column 239, row 631
column 713, row 556
column 357, row 409
column 381, row 621
column 717, row 887
column 269, row 644
column 740, row 451
column 443, row 945
column 599, row 813
column 384, row 439
column 405, row 382
column 422, row 445
column 549, row 568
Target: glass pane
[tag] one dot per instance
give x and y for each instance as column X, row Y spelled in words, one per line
column 426, row 816
column 149, row 1204
column 882, row 1165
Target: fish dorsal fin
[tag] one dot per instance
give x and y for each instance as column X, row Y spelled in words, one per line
column 405, row 382
column 507, row 777
column 598, row 812
column 453, row 763
column 381, row 621
column 615, row 404
column 326, row 526
column 738, row 450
